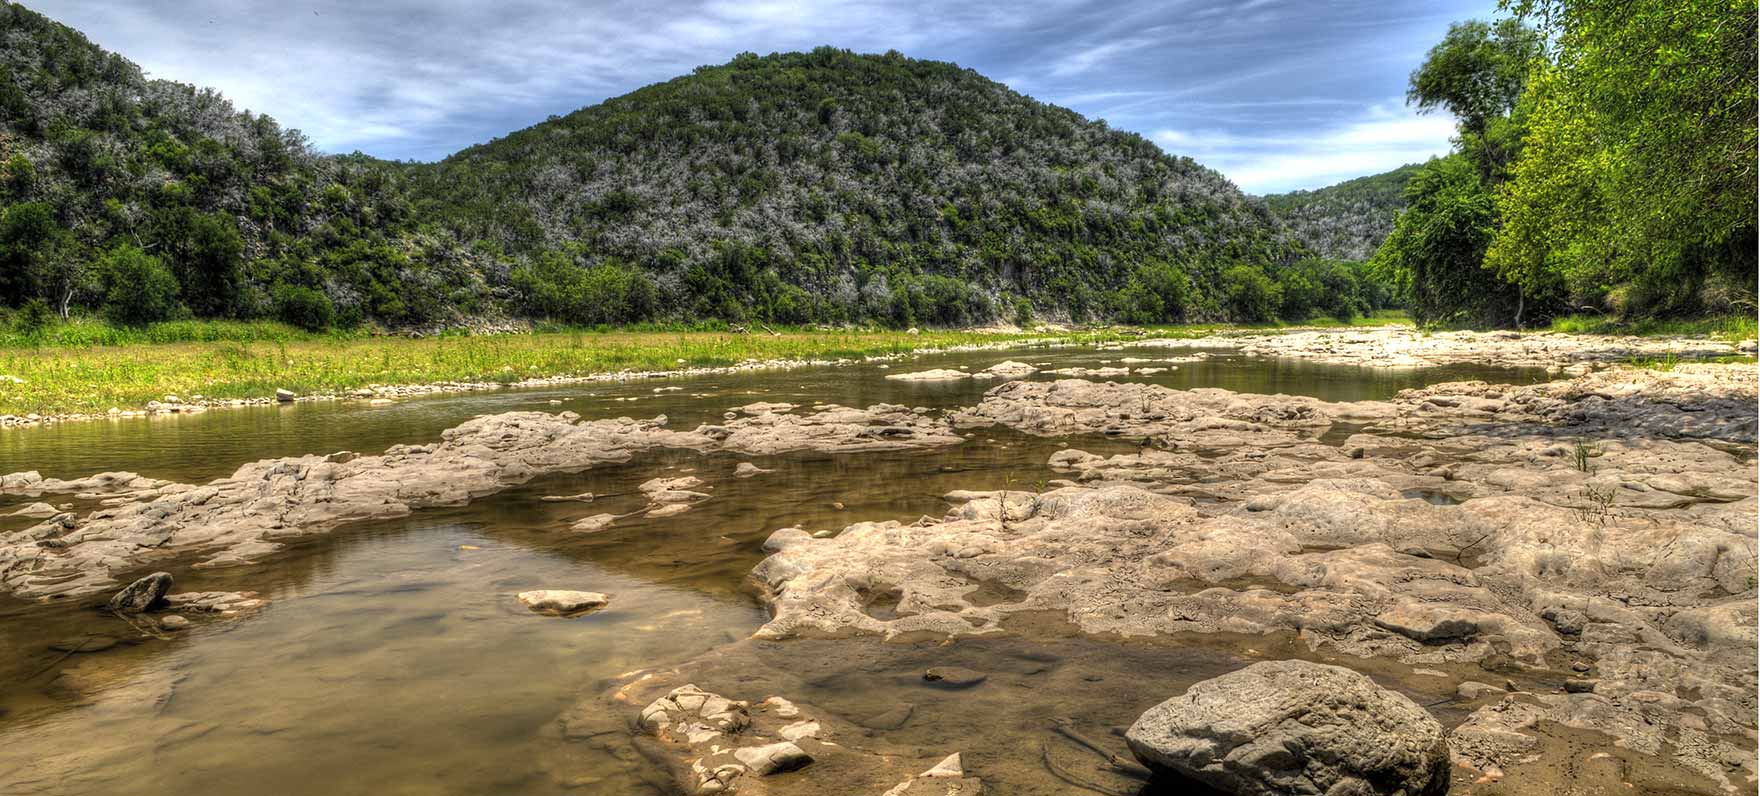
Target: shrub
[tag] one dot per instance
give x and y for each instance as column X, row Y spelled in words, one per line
column 1251, row 296
column 32, row 318
column 304, row 307
column 553, row 286
column 138, row 288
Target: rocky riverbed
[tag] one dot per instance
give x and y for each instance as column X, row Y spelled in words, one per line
column 1560, row 575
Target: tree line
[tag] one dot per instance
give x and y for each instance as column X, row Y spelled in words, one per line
column 1605, row 162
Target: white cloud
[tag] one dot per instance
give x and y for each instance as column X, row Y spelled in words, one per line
column 1383, row 138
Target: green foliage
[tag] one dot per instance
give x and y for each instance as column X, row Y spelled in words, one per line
column 1635, row 190
column 1477, row 72
column 33, row 318
column 1157, row 293
column 1620, row 161
column 553, row 285
column 1251, row 295
column 304, row 307
column 1437, row 249
column 1348, row 220
column 854, row 178
column 138, row 288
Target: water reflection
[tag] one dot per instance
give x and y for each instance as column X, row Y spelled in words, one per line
column 393, row 657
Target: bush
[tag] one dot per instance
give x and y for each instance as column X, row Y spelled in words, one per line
column 1250, row 295
column 1300, row 295
column 138, row 288
column 553, row 286
column 305, row 307
column 32, row 318
column 1023, row 312
column 1137, row 304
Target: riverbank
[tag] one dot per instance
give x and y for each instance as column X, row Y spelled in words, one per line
column 252, row 365
column 70, row 383
column 82, row 371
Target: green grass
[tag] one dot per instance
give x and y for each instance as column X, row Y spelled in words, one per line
column 1724, row 327
column 94, row 377
column 1379, row 318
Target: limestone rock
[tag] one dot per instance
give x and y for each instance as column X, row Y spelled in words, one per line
column 561, row 602
column 938, row 374
column 1293, row 727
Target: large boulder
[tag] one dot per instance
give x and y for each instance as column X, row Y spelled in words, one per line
column 1294, row 727
column 142, row 594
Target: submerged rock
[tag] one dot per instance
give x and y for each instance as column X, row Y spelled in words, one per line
column 938, row 374
column 141, row 595
column 1295, row 728
column 561, row 602
column 954, row 677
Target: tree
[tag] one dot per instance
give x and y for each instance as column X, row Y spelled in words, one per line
column 138, row 288
column 1437, row 249
column 30, row 242
column 208, row 256
column 1251, row 295
column 1478, row 73
column 1636, row 184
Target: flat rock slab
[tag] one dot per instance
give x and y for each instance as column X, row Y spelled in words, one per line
column 1289, row 728
column 559, row 602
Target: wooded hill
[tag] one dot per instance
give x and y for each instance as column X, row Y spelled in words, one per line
column 1347, row 221
column 792, row 188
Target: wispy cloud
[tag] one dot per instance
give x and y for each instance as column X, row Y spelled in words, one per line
column 1249, row 81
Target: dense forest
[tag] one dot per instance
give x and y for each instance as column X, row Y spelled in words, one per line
column 835, row 187
column 1347, row 221
column 1605, row 162
column 147, row 199
column 822, row 187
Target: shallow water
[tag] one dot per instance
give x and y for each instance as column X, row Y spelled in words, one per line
column 393, row 657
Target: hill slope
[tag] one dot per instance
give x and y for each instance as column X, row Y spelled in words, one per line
column 1349, row 220
column 851, row 176
column 108, row 178
column 800, row 187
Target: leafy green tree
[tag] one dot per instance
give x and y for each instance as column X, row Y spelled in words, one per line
column 1138, row 304
column 1636, row 187
column 1299, row 294
column 553, row 285
column 1437, row 249
column 32, row 246
column 1478, row 73
column 1251, row 296
column 305, row 307
column 138, row 288
column 207, row 254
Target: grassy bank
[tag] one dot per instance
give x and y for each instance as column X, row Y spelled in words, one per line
column 1726, row 327
column 90, row 367
column 93, row 378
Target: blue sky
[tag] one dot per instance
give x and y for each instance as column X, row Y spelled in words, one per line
column 1275, row 94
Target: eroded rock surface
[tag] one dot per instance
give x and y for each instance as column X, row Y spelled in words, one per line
column 1395, row 347
column 1507, row 527
column 241, row 517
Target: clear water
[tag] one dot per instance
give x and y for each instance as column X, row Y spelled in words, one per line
column 393, row 658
